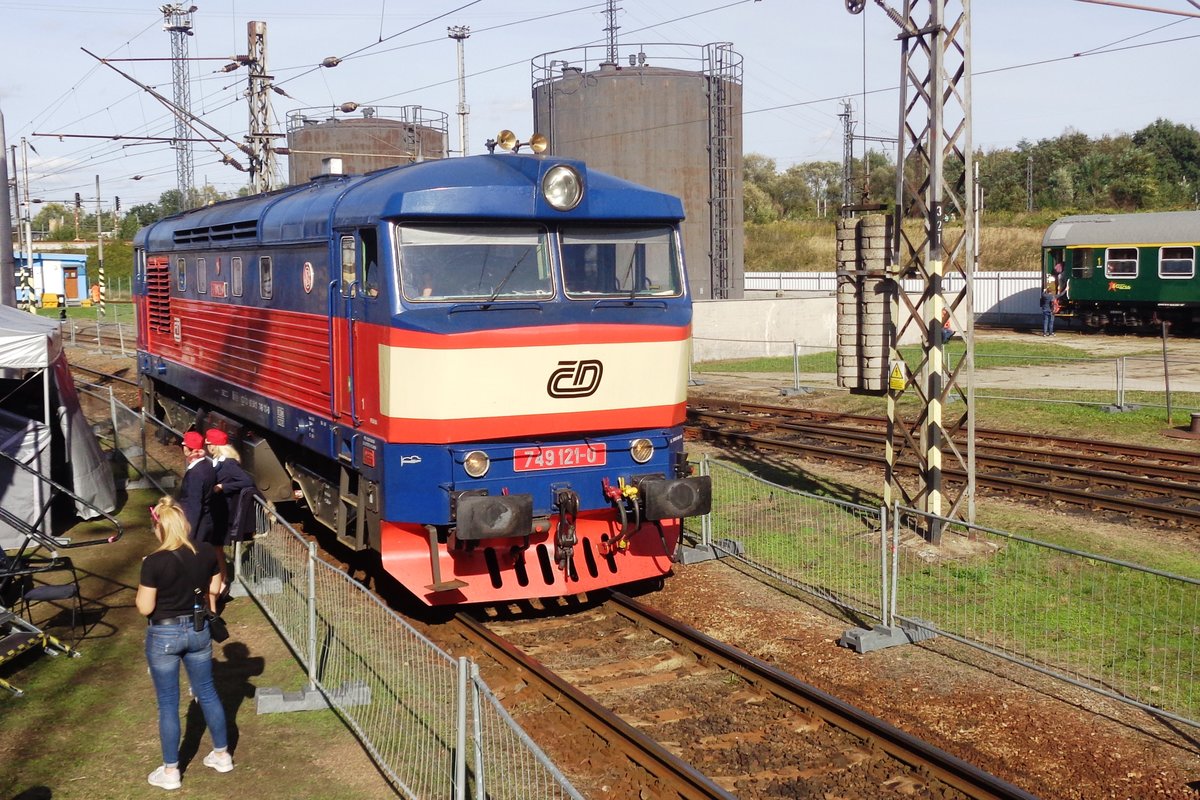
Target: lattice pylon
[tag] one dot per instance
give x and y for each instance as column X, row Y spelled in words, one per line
column 934, row 238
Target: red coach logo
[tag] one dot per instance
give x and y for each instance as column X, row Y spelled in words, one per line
column 575, row 379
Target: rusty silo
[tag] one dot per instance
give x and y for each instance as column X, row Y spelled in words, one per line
column 668, row 116
column 365, row 138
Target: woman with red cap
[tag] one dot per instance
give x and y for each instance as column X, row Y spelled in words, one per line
column 231, row 479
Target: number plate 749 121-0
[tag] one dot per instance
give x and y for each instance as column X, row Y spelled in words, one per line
column 562, row 456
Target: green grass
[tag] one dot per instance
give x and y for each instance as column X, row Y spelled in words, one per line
column 987, row 354
column 113, row 312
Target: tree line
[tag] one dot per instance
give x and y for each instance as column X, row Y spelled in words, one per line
column 1155, row 169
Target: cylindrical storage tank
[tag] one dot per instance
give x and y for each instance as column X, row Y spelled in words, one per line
column 365, row 138
column 667, row 116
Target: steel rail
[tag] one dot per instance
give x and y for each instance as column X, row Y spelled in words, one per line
column 1080, row 497
column 1052, row 444
column 1111, row 473
column 676, row 777
column 951, row 770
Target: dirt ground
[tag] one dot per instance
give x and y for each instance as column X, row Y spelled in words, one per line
column 1052, row 740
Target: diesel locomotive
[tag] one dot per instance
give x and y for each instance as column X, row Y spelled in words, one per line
column 476, row 367
column 1127, row 271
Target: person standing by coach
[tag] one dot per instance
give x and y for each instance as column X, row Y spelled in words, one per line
column 196, row 489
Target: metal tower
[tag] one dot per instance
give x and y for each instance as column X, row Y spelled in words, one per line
column 458, row 33
column 261, row 148
column 611, row 30
column 178, row 21
column 847, row 118
column 933, row 238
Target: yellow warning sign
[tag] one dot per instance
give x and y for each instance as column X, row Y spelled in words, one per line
column 896, row 380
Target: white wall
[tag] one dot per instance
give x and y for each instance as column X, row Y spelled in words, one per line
column 763, row 326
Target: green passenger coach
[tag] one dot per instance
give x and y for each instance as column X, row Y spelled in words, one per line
column 1126, row 271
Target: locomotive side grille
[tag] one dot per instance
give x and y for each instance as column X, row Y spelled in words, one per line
column 242, row 231
column 158, row 293
column 279, row 353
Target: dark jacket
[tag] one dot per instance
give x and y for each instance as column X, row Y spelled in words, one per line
column 233, row 480
column 196, row 499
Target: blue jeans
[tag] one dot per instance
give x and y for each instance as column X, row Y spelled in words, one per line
column 166, row 646
column 1047, row 322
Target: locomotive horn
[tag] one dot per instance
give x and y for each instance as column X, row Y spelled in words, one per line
column 506, row 139
column 538, row 143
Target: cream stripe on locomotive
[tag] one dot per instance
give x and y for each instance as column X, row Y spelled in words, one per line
column 512, row 381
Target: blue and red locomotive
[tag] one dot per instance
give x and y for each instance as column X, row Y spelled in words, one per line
column 475, row 366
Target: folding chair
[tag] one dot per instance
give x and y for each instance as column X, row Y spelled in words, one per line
column 25, row 582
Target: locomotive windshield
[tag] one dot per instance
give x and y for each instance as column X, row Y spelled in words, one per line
column 620, row 262
column 474, row 262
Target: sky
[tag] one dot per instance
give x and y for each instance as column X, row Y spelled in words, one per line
column 1040, row 67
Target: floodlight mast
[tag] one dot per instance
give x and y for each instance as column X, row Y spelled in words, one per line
column 935, row 133
column 177, row 20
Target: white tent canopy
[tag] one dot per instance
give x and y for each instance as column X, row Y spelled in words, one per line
column 31, row 345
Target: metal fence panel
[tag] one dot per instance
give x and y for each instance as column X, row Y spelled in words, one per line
column 392, row 685
column 831, row 549
column 508, row 765
column 1117, row 628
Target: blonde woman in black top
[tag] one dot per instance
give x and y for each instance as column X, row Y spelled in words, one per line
column 167, row 596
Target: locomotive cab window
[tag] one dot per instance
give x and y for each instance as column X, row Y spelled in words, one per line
column 1176, row 262
column 201, row 275
column 266, row 285
column 474, row 262
column 621, row 262
column 349, row 262
column 235, row 275
column 1121, row 262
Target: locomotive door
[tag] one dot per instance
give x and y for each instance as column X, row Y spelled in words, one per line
column 358, row 259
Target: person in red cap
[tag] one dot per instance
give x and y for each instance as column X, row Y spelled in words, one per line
column 196, row 489
column 231, row 480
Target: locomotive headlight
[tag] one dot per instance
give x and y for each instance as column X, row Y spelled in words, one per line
column 641, row 450
column 562, row 187
column 476, row 463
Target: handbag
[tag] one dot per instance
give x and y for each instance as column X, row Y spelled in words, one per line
column 217, row 628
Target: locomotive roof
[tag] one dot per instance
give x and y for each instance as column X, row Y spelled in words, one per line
column 1097, row 229
column 502, row 187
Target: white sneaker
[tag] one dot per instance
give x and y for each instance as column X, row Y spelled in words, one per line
column 162, row 780
column 221, row 762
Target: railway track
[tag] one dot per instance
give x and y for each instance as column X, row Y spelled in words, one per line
column 1145, row 483
column 692, row 717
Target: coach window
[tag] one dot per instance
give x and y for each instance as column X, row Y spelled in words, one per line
column 1081, row 262
column 235, row 275
column 201, row 275
column 1121, row 262
column 266, row 286
column 348, row 265
column 1176, row 262
column 181, row 274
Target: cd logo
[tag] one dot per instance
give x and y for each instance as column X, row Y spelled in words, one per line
column 575, row 378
